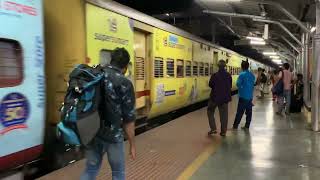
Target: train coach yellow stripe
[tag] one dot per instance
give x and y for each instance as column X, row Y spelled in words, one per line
column 198, row 162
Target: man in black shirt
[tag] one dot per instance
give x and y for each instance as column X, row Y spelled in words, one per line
column 117, row 113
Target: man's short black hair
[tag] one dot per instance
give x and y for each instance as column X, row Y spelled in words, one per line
column 245, row 65
column 120, row 58
column 286, row 66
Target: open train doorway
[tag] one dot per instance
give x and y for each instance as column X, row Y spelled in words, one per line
column 142, row 85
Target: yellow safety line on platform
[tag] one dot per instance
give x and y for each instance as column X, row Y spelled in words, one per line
column 197, row 163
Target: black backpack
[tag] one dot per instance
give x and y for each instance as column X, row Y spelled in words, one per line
column 79, row 114
column 264, row 78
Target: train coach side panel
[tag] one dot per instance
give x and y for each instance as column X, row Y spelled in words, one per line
column 169, row 90
column 22, row 83
column 65, row 47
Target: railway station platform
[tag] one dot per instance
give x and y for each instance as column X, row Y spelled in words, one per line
column 276, row 147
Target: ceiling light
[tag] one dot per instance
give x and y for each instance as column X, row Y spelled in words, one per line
column 274, row 57
column 255, row 38
column 313, row 29
column 257, row 42
column 270, row 53
column 278, row 61
column 167, row 14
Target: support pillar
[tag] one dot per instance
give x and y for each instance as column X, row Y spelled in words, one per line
column 306, row 83
column 315, row 109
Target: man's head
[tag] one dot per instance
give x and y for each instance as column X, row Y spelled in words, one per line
column 120, row 58
column 299, row 76
column 263, row 70
column 286, row 66
column 245, row 65
column 259, row 69
column 221, row 64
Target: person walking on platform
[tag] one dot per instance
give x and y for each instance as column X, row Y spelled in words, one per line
column 245, row 84
column 285, row 99
column 117, row 110
column 263, row 83
column 220, row 84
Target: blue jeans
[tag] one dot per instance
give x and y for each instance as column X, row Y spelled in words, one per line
column 116, row 157
column 287, row 97
column 243, row 106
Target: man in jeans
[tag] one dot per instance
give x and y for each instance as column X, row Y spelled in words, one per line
column 286, row 77
column 220, row 83
column 245, row 84
column 117, row 110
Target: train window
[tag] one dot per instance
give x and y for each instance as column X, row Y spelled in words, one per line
column 188, row 68
column 139, row 68
column 211, row 69
column 180, row 68
column 105, row 57
column 201, row 69
column 195, row 70
column 206, row 69
column 170, row 68
column 11, row 63
column 158, row 68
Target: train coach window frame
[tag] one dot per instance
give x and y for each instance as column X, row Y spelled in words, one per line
column 180, row 68
column 170, row 65
column 11, row 63
column 188, row 69
column 206, row 69
column 105, row 57
column 195, row 69
column 158, row 68
column 201, row 69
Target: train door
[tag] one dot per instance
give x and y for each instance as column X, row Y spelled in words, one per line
column 140, row 51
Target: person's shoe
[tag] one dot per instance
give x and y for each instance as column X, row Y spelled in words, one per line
column 244, row 128
column 287, row 114
column 212, row 132
column 234, row 128
column 278, row 113
column 223, row 134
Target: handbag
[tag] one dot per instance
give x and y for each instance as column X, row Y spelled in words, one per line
column 277, row 89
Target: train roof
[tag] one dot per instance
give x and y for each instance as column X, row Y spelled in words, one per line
column 139, row 16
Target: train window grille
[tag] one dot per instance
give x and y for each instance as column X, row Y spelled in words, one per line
column 211, row 69
column 201, row 69
column 11, row 63
column 180, row 68
column 188, row 68
column 158, row 68
column 140, row 70
column 206, row 69
column 170, row 68
column 195, row 70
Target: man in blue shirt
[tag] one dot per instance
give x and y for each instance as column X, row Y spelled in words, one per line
column 245, row 84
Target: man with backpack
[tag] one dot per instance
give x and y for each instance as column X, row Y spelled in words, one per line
column 117, row 113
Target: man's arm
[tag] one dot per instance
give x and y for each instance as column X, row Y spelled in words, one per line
column 211, row 82
column 129, row 115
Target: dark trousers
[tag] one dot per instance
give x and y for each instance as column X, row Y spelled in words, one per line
column 223, row 111
column 243, row 106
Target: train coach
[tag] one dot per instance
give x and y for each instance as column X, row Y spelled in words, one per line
column 169, row 67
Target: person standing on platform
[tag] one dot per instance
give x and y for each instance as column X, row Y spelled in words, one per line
column 263, row 83
column 285, row 100
column 117, row 113
column 220, row 84
column 245, row 84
